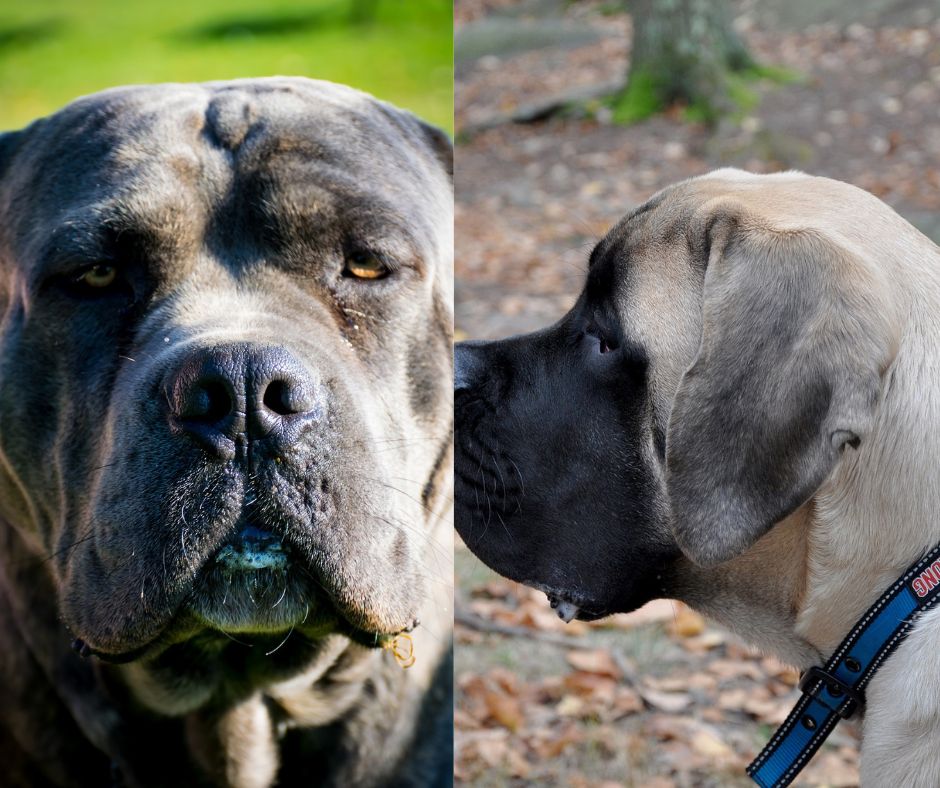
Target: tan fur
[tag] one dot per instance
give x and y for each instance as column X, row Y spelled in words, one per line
column 238, row 747
column 798, row 589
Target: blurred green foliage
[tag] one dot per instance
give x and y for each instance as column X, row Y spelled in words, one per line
column 52, row 51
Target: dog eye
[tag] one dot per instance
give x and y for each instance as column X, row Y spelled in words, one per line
column 95, row 281
column 365, row 265
column 98, row 277
column 604, row 343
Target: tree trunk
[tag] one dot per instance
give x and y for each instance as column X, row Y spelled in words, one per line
column 683, row 51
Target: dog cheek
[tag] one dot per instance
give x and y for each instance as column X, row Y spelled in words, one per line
column 427, row 369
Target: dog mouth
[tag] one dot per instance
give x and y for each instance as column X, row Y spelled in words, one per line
column 255, row 589
column 256, row 584
column 567, row 610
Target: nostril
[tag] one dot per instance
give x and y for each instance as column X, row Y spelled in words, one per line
column 278, row 398
column 208, row 401
column 224, row 397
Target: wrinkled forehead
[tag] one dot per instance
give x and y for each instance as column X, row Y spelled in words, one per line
column 272, row 161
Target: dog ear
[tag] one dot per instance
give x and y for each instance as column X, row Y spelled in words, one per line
column 441, row 145
column 427, row 137
column 796, row 335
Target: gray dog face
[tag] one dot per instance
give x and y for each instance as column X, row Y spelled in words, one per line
column 225, row 350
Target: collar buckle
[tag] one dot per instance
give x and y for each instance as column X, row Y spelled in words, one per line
column 847, row 699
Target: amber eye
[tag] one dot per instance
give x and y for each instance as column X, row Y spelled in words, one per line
column 365, row 265
column 98, row 276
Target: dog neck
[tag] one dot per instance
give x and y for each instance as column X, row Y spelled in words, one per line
column 878, row 511
column 759, row 594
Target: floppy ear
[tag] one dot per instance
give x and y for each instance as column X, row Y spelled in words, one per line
column 430, row 139
column 796, row 335
column 441, row 145
column 435, row 140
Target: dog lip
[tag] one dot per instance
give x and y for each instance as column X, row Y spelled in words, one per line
column 566, row 610
column 112, row 658
column 569, row 605
column 371, row 639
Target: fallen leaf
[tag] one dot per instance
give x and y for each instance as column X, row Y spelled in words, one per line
column 551, row 748
column 517, row 765
column 708, row 744
column 627, row 701
column 505, row 679
column 709, row 640
column 598, row 661
column 735, row 669
column 667, row 727
column 465, row 721
column 667, row 683
column 687, row 623
column 673, row 702
column 583, row 683
column 570, row 706
column 734, row 699
column 773, row 711
column 504, row 709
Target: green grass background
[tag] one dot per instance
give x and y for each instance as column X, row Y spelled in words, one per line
column 52, row 51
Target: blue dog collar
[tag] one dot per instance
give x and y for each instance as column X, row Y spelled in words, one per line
column 836, row 691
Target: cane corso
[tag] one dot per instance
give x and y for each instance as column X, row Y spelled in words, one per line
column 742, row 411
column 225, row 439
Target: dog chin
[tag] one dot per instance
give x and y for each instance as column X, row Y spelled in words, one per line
column 263, row 601
column 570, row 605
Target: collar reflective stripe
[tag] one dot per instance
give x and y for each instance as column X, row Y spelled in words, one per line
column 836, row 691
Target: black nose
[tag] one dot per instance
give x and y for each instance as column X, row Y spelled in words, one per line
column 228, row 395
column 469, row 366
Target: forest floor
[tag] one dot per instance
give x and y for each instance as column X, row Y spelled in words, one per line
column 660, row 697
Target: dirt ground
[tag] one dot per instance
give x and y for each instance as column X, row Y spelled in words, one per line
column 658, row 698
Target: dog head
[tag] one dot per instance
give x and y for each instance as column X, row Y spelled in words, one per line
column 726, row 352
column 224, row 350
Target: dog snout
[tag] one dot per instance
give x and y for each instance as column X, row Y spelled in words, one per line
column 225, row 397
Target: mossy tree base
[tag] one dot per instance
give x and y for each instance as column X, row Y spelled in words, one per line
column 684, row 52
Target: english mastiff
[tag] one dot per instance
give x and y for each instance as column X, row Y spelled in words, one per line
column 225, row 431
column 741, row 411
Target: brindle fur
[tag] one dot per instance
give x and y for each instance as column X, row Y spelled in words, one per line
column 228, row 208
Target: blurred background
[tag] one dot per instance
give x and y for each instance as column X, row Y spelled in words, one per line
column 54, row 50
column 569, row 114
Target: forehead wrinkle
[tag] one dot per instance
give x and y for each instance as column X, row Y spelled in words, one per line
column 169, row 224
column 364, row 217
column 353, row 182
column 70, row 239
column 111, row 229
